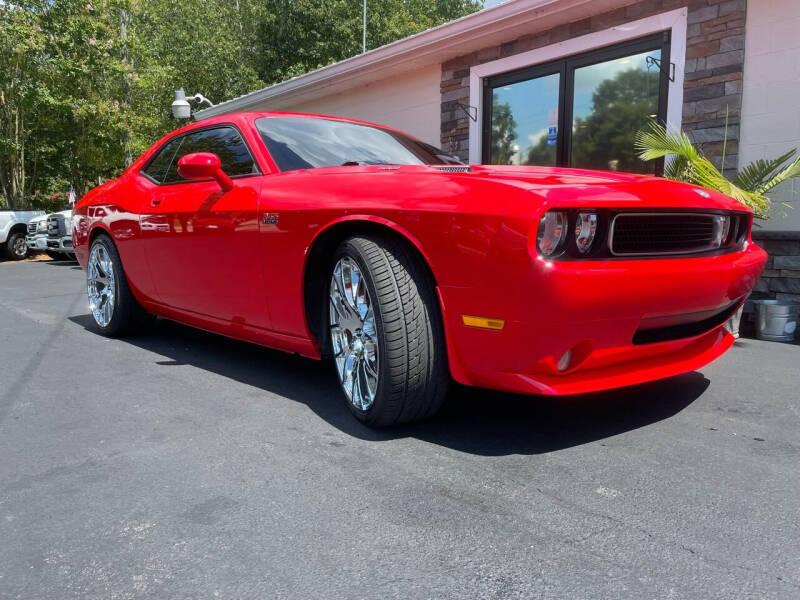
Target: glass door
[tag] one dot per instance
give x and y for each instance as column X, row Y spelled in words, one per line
column 611, row 100
column 582, row 111
column 524, row 121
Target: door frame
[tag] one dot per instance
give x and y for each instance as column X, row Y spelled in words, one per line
column 675, row 22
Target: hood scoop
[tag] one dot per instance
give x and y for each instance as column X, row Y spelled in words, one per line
column 453, row 168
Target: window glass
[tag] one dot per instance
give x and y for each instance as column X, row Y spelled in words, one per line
column 579, row 111
column 612, row 100
column 225, row 142
column 525, row 122
column 309, row 142
column 160, row 163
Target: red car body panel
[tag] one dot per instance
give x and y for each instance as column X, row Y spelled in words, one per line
column 218, row 261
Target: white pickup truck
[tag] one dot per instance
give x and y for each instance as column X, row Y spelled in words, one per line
column 59, row 236
column 13, row 229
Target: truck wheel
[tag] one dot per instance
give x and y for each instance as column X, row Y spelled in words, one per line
column 114, row 308
column 16, row 247
column 386, row 332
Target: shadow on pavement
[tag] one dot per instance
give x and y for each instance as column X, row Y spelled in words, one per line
column 73, row 264
column 476, row 421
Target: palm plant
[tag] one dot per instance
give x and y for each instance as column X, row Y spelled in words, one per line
column 684, row 162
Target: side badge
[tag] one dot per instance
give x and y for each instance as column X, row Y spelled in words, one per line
column 270, row 219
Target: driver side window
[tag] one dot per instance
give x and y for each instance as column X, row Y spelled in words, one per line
column 225, row 142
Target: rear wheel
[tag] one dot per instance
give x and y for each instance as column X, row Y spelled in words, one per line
column 111, row 302
column 386, row 332
column 16, row 246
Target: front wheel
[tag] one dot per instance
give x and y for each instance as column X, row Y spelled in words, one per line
column 386, row 332
column 16, row 246
column 111, row 302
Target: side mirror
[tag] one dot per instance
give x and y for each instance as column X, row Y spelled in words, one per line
column 204, row 165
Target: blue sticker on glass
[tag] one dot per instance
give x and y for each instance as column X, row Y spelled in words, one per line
column 552, row 134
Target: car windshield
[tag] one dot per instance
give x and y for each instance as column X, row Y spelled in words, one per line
column 311, row 142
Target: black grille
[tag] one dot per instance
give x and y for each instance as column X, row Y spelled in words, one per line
column 56, row 227
column 689, row 328
column 646, row 234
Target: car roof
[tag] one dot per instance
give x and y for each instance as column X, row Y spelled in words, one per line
column 251, row 116
column 244, row 120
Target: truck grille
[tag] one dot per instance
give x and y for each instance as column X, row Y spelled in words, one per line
column 647, row 234
column 32, row 228
column 56, row 227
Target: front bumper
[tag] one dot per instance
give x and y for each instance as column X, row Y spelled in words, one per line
column 60, row 245
column 37, row 242
column 593, row 310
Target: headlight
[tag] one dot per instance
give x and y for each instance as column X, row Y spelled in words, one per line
column 551, row 233
column 585, row 228
column 42, row 226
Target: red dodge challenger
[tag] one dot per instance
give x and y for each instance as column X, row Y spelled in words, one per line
column 339, row 239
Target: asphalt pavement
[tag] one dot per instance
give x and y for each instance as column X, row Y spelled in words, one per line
column 181, row 464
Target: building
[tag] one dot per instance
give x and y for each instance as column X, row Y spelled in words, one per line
column 567, row 82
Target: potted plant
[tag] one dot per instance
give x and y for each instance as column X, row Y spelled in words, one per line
column 684, row 162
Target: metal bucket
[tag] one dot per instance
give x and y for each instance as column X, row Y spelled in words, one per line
column 776, row 320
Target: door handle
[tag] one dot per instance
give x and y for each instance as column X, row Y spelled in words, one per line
column 155, row 203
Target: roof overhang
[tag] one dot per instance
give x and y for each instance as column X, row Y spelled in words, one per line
column 483, row 29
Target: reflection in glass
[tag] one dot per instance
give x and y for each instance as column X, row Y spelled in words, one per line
column 524, row 122
column 611, row 101
column 309, row 143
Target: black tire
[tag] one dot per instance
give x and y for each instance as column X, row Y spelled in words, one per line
column 128, row 315
column 413, row 375
column 16, row 247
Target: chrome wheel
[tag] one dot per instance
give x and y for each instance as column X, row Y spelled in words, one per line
column 19, row 247
column 100, row 285
column 353, row 334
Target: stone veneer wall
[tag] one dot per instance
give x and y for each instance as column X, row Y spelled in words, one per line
column 712, row 81
column 781, row 276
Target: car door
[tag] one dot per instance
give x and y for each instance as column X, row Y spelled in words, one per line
column 202, row 242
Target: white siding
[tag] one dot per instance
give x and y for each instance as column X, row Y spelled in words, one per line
column 411, row 102
column 771, row 96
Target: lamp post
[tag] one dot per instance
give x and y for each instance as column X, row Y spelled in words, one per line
column 181, row 109
column 364, row 30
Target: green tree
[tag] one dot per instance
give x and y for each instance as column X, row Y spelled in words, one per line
column 297, row 36
column 21, row 96
column 541, row 153
column 86, row 85
column 504, row 132
column 620, row 107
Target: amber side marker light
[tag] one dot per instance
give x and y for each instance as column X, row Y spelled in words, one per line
column 483, row 322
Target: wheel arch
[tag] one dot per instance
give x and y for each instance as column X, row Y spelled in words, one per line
column 18, row 228
column 96, row 230
column 318, row 261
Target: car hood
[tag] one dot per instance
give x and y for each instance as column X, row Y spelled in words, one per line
column 582, row 187
column 555, row 186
